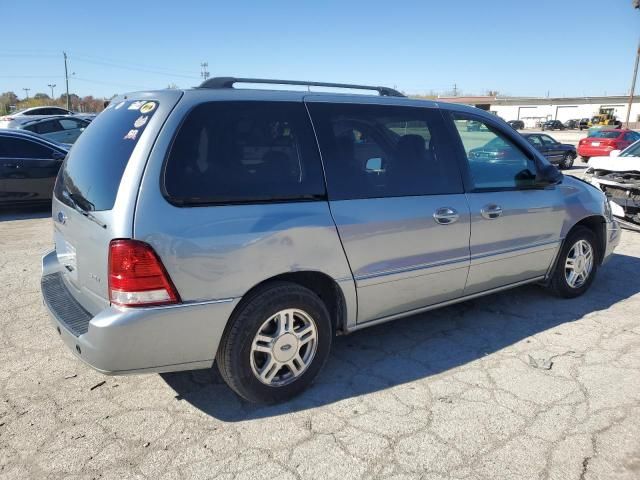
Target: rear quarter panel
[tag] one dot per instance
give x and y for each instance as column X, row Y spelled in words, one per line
column 220, row 252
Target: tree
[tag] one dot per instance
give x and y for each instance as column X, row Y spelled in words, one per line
column 7, row 99
column 42, row 96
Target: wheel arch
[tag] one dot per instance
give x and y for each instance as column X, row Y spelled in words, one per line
column 327, row 288
column 598, row 225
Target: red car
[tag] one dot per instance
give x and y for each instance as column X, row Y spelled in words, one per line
column 600, row 143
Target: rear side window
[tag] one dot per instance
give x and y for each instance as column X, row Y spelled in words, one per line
column 229, row 152
column 21, row 148
column 376, row 151
column 604, row 134
column 42, row 128
column 93, row 169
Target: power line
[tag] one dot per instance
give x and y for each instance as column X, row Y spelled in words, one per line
column 139, row 68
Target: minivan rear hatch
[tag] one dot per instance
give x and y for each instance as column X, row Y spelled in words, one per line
column 97, row 186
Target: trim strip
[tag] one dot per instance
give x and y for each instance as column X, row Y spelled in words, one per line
column 175, row 305
column 423, row 266
column 524, row 250
column 378, row 321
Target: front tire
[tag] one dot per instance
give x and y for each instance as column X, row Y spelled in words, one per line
column 577, row 264
column 567, row 160
column 276, row 343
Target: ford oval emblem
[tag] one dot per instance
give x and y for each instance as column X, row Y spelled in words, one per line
column 62, row 218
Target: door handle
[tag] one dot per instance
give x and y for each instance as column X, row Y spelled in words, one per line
column 446, row 215
column 491, row 212
column 11, row 165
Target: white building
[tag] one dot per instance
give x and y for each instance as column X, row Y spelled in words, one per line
column 533, row 110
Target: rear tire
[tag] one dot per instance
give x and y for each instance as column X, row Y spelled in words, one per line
column 567, row 160
column 577, row 264
column 585, row 159
column 266, row 354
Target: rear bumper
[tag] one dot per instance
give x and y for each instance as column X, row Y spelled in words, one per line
column 133, row 340
column 588, row 151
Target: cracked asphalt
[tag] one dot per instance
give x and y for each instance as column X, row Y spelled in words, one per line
column 518, row 385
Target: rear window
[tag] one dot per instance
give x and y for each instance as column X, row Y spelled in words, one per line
column 604, row 134
column 93, row 169
column 230, row 152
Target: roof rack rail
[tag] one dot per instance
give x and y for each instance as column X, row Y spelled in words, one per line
column 228, row 82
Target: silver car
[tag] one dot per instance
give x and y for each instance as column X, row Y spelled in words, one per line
column 16, row 118
column 247, row 227
column 61, row 129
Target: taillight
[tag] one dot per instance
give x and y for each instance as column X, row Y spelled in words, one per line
column 137, row 277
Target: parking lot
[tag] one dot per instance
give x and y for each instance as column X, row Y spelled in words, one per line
column 517, row 385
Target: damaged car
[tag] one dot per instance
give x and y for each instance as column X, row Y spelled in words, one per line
column 618, row 176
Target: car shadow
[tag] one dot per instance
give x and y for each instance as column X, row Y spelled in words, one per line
column 12, row 213
column 423, row 345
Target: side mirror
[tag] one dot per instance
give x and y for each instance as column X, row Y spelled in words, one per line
column 374, row 165
column 57, row 155
column 615, row 153
column 548, row 175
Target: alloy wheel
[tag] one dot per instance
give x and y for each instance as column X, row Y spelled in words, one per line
column 284, row 347
column 579, row 264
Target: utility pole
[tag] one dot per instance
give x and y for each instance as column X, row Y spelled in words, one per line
column 455, row 89
column 66, row 77
column 26, row 91
column 51, row 86
column 204, row 72
column 635, row 4
column 633, row 85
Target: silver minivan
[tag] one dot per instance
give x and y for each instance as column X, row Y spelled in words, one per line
column 246, row 227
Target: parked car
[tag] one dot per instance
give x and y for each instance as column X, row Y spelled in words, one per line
column 553, row 125
column 28, row 167
column 618, row 176
column 15, row 118
column 572, row 124
column 212, row 223
column 602, row 141
column 64, row 129
column 583, row 124
column 557, row 153
column 516, row 124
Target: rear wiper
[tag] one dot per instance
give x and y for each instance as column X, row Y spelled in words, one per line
column 73, row 198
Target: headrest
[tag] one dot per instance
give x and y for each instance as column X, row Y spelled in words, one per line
column 413, row 145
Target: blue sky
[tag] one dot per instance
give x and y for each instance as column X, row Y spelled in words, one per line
column 564, row 47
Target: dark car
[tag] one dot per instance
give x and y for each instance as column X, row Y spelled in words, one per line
column 29, row 165
column 583, row 123
column 516, row 124
column 560, row 154
column 572, row 124
column 553, row 125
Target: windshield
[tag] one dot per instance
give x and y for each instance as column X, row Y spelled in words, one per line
column 632, row 151
column 91, row 173
column 604, row 134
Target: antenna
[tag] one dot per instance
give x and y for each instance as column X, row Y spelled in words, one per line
column 204, row 70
